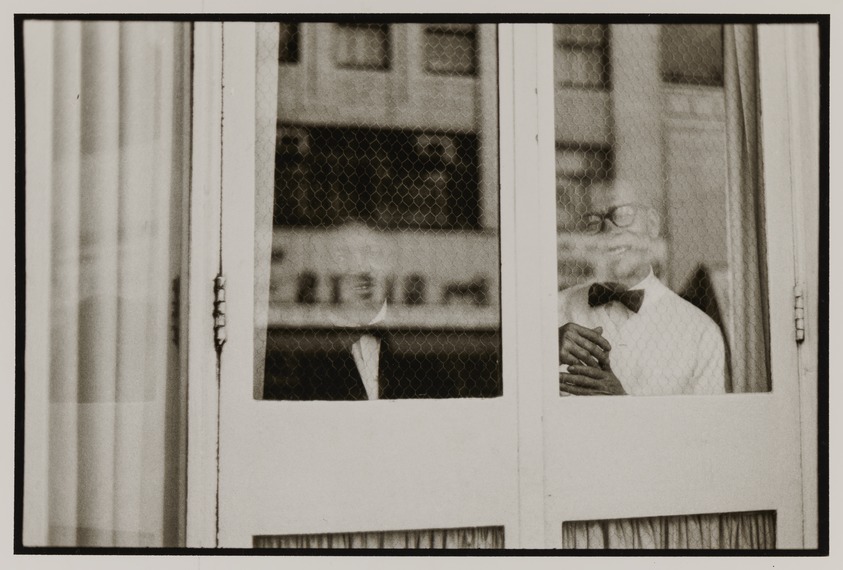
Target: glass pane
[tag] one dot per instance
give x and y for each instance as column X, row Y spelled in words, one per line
column 581, row 67
column 450, row 50
column 377, row 241
column 692, row 54
column 593, row 35
column 581, row 56
column 721, row 531
column 288, row 43
column 362, row 46
column 383, row 176
column 660, row 263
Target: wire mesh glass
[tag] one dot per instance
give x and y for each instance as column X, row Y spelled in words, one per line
column 362, row 46
column 660, row 261
column 288, row 43
column 451, row 49
column 691, row 54
column 583, row 55
column 383, row 255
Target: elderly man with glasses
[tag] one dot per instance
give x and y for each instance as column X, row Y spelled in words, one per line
column 631, row 334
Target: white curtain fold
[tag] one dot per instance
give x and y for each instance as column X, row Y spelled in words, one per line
column 747, row 322
column 491, row 537
column 116, row 132
column 266, row 119
column 732, row 531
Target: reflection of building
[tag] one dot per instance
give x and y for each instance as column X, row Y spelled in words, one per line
column 391, row 178
column 408, row 76
column 645, row 103
column 391, row 124
column 394, row 125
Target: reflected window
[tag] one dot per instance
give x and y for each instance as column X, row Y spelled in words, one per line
column 450, row 49
column 692, row 54
column 288, row 43
column 389, row 178
column 581, row 58
column 362, row 46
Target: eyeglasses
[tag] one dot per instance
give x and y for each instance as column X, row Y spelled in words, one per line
column 622, row 216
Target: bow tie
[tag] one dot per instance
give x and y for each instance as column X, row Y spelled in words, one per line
column 602, row 293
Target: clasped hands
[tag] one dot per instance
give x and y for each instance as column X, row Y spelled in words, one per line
column 586, row 353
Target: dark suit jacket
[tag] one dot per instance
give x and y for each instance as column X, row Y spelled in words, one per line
column 328, row 372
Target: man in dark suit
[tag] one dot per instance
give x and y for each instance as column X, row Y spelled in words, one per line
column 320, row 365
column 359, row 358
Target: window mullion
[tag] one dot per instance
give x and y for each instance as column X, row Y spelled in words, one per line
column 535, row 247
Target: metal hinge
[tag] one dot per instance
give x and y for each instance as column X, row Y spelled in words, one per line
column 219, row 311
column 799, row 313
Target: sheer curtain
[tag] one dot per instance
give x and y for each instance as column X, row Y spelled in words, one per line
column 449, row 538
column 733, row 531
column 107, row 106
column 747, row 323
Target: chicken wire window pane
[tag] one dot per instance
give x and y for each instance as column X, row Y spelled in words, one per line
column 692, row 54
column 576, row 169
column 385, row 177
column 288, row 43
column 362, row 46
column 450, row 49
column 581, row 56
column 660, row 256
column 582, row 67
column 581, row 34
column 377, row 252
column 754, row 530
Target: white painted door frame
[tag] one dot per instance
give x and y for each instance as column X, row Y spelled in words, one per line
column 740, row 452
column 203, row 265
column 381, row 465
column 775, row 423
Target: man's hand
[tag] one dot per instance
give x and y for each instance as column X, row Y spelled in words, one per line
column 586, row 353
column 589, row 381
column 581, row 345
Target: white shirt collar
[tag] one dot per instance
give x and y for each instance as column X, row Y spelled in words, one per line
column 653, row 289
column 382, row 314
column 339, row 321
